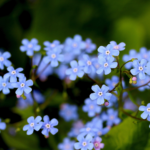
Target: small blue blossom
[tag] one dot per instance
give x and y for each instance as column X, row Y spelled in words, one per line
column 5, row 85
column 100, row 94
column 2, row 125
column 146, row 113
column 75, row 71
column 23, row 86
column 54, row 56
column 66, row 145
column 48, row 126
column 51, row 46
column 74, row 45
column 13, row 74
column 30, row 46
column 120, row 46
column 111, row 117
column 144, row 54
column 97, row 143
column 68, row 112
column 84, row 143
column 106, row 65
column 34, row 124
column 87, row 63
column 91, row 107
column 89, row 46
column 132, row 54
column 141, row 68
column 108, row 51
column 3, row 60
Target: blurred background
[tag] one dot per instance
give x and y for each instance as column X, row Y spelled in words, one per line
column 47, row 20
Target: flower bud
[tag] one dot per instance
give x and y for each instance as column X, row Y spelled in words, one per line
column 106, row 103
column 18, row 96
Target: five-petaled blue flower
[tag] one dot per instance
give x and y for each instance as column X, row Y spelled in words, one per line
column 108, row 51
column 84, row 143
column 23, row 86
column 89, row 46
column 3, row 60
column 106, row 65
column 13, row 74
column 100, row 94
column 141, row 68
column 5, row 85
column 54, row 56
column 48, row 126
column 66, row 145
column 144, row 54
column 30, row 46
column 75, row 71
column 120, row 46
column 2, row 125
column 34, row 124
column 146, row 113
column 91, row 107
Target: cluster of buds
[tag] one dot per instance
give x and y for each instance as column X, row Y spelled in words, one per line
column 133, row 80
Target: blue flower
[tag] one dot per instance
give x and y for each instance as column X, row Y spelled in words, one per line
column 111, row 117
column 132, row 54
column 13, row 74
column 30, row 46
column 106, row 65
column 34, row 124
column 84, row 143
column 108, row 51
column 97, row 143
column 87, row 63
column 53, row 56
column 5, row 85
column 48, row 126
column 144, row 54
column 100, row 94
column 140, row 68
column 66, row 145
column 89, row 46
column 51, row 46
column 146, row 113
column 3, row 59
column 120, row 46
column 68, row 112
column 2, row 125
column 75, row 71
column 23, row 86
column 91, row 107
column 74, row 45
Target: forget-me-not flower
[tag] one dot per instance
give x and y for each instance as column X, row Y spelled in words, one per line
column 13, row 74
column 48, row 126
column 89, row 46
column 144, row 54
column 97, row 143
column 3, row 60
column 100, row 94
column 34, row 124
column 146, row 113
column 23, row 86
column 66, row 145
column 120, row 46
column 2, row 125
column 30, row 46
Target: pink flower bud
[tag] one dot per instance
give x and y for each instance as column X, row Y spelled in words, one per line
column 18, row 96
column 134, row 78
column 106, row 103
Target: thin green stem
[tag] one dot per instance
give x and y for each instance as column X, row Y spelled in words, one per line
column 93, row 80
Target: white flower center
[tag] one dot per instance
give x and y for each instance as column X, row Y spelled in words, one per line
column 75, row 69
column 145, row 56
column 89, row 62
column 22, row 84
column 107, row 52
column 84, row 143
column 52, row 45
column 1, row 59
column 148, row 109
column 47, row 125
column 116, row 47
column 30, row 45
column 96, row 144
column 111, row 117
column 140, row 68
column 88, row 129
column 97, row 66
column 106, row 65
column 31, row 124
column 4, row 84
column 99, row 133
column 100, row 93
column 74, row 45
column 53, row 56
column 13, row 72
column 113, row 83
column 91, row 106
